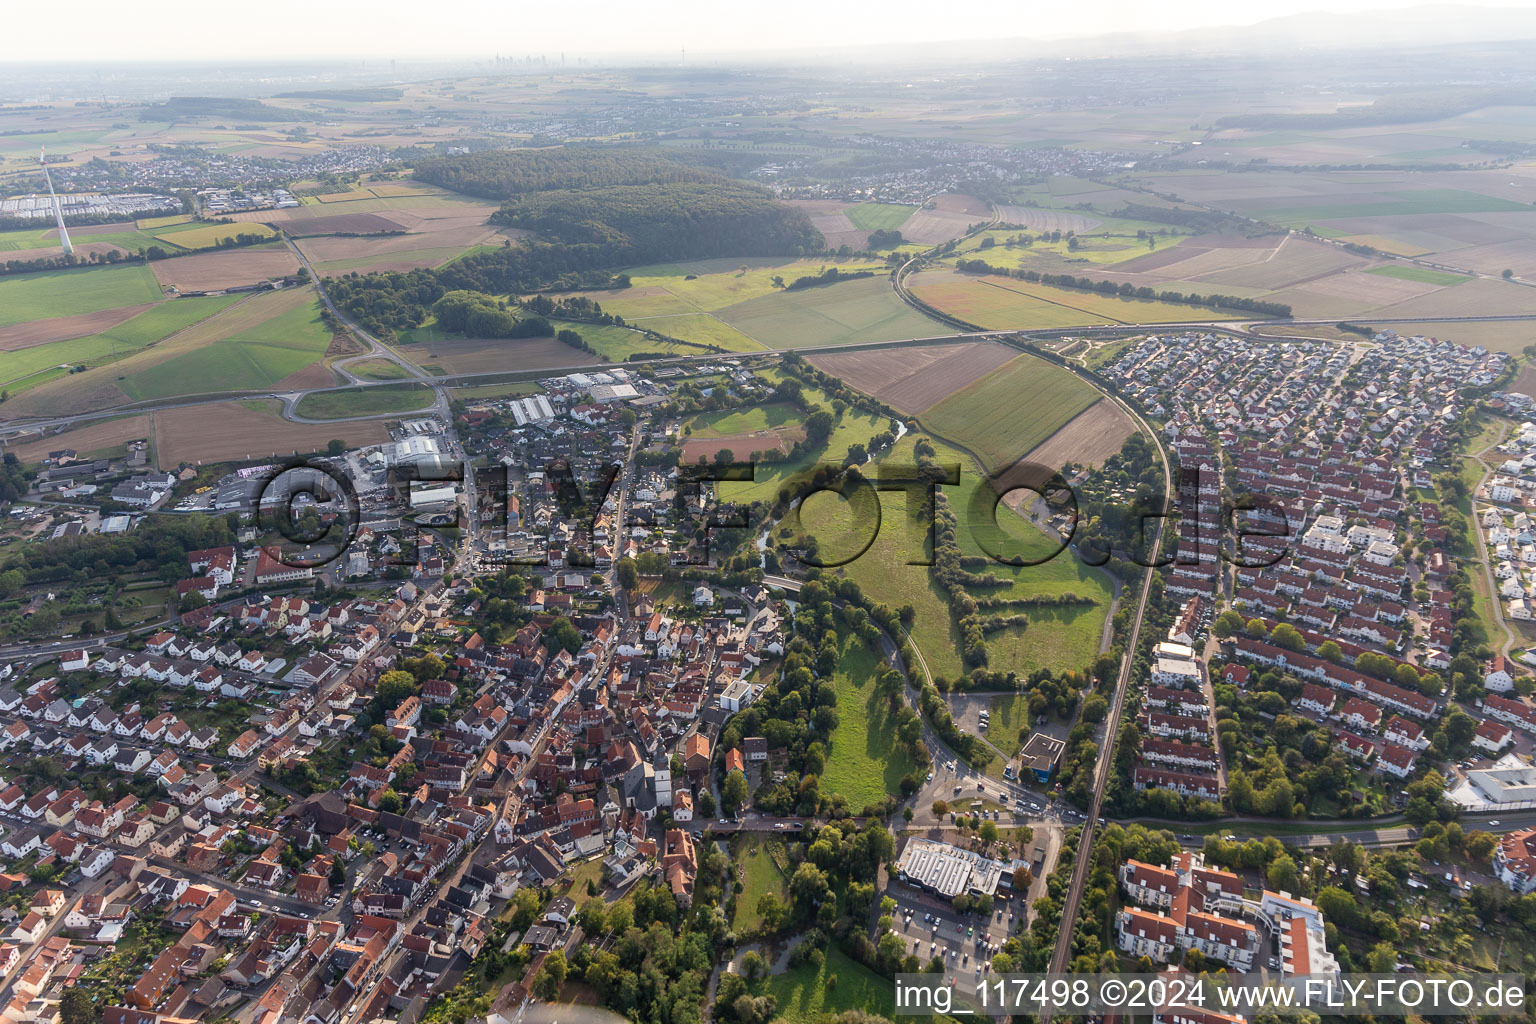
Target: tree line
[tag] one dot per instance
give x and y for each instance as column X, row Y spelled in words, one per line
column 1124, row 289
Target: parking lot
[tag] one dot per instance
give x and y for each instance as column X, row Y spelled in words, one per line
column 967, row 942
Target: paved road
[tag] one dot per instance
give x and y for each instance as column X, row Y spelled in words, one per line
column 1235, row 326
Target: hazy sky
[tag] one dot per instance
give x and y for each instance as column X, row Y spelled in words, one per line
column 112, row 29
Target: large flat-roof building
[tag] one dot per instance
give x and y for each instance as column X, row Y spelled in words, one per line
column 946, row 870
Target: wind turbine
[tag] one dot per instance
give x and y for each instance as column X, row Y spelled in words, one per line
column 58, row 211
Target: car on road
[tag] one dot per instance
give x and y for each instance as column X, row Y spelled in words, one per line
column 1495, row 823
column 930, row 776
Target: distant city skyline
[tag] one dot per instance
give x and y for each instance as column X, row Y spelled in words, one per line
column 179, row 29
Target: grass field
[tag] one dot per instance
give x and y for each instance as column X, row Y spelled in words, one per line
column 760, row 876
column 853, row 427
column 51, row 293
column 988, row 416
column 749, row 310
column 841, row 314
column 1421, row 274
column 741, row 421
column 257, row 357
column 1064, row 637
column 378, row 369
column 862, row 762
column 126, row 338
column 806, row 993
column 335, row 405
column 699, row 328
column 878, row 216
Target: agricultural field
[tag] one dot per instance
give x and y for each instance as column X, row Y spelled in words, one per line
column 62, row 328
column 1087, row 439
column 226, row 268
column 878, row 216
column 863, row 764
column 205, row 236
column 742, row 306
column 1423, row 275
column 262, row 355
column 997, row 303
column 840, row 314
column 54, row 293
column 442, row 354
column 912, row 379
column 1007, row 413
column 248, row 430
column 374, row 401
column 34, row 365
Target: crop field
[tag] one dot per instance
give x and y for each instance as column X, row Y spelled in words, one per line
column 709, row 286
column 1423, row 275
column 28, row 367
column 1365, row 295
column 878, row 216
column 209, row 235
column 54, row 293
column 839, row 314
column 226, row 268
column 483, row 355
column 1087, row 439
column 1009, row 412
column 996, row 303
column 1037, row 219
column 1408, row 202
column 227, row 431
column 939, row 225
column 62, row 328
column 863, row 762
column 913, row 379
column 829, row 216
column 258, row 356
column 342, row 224
column 339, row 405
